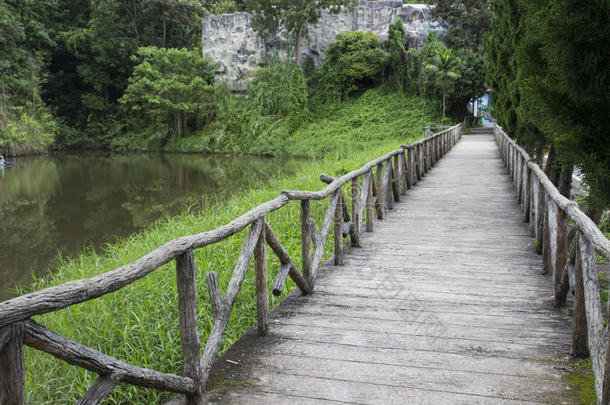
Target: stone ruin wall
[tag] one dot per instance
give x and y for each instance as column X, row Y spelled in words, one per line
column 230, row 40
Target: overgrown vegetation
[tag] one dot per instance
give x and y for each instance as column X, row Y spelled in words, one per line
column 547, row 63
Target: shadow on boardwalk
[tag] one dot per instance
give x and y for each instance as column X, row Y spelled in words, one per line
column 444, row 304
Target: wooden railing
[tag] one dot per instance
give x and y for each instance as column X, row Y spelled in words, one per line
column 568, row 253
column 395, row 173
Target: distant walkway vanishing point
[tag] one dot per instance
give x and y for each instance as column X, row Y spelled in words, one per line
column 444, row 304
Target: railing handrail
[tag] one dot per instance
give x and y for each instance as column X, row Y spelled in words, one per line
column 582, row 220
column 16, row 329
column 567, row 254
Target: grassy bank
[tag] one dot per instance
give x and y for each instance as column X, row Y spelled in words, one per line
column 139, row 324
column 380, row 114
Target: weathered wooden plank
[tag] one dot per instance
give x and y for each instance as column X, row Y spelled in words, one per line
column 44, row 339
column 186, row 284
column 101, row 388
column 12, row 366
column 262, row 286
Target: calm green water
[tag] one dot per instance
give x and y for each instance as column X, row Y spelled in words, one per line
column 62, row 203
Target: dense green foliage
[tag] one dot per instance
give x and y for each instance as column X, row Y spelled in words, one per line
column 445, row 67
column 354, row 61
column 26, row 125
column 175, row 87
column 548, row 66
column 139, row 324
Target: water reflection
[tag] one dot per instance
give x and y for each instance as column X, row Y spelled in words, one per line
column 62, row 203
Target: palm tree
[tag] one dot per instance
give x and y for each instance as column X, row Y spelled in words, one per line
column 446, row 68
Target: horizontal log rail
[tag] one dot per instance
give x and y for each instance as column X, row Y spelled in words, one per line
column 548, row 213
column 371, row 195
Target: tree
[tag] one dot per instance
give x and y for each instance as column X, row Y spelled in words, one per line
column 468, row 21
column 563, row 61
column 292, row 15
column 446, row 68
column 399, row 58
column 174, row 85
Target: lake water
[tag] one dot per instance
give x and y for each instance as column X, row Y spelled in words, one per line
column 62, row 203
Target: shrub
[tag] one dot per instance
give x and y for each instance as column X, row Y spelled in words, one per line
column 354, row 61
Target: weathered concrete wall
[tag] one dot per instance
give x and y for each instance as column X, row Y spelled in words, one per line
column 230, row 40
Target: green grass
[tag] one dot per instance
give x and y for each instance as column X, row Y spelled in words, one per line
column 581, row 381
column 139, row 324
column 377, row 115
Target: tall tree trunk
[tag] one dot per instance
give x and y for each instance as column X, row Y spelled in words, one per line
column 297, row 45
column 164, row 22
column 565, row 179
column 444, row 96
column 550, row 169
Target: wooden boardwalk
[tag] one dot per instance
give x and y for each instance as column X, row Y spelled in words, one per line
column 444, row 304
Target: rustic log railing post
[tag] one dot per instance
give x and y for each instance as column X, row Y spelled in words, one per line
column 262, row 285
column 420, row 162
column 409, row 163
column 338, row 230
column 306, row 240
column 561, row 286
column 12, row 366
column 404, row 170
column 540, row 215
column 533, row 184
column 388, row 185
column 356, row 220
column 189, row 335
column 525, row 173
column 395, row 177
column 379, row 205
column 370, row 205
column 597, row 337
column 547, row 251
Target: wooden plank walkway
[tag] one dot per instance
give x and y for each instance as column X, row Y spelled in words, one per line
column 443, row 304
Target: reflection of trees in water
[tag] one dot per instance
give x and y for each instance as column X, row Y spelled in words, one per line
column 68, row 201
